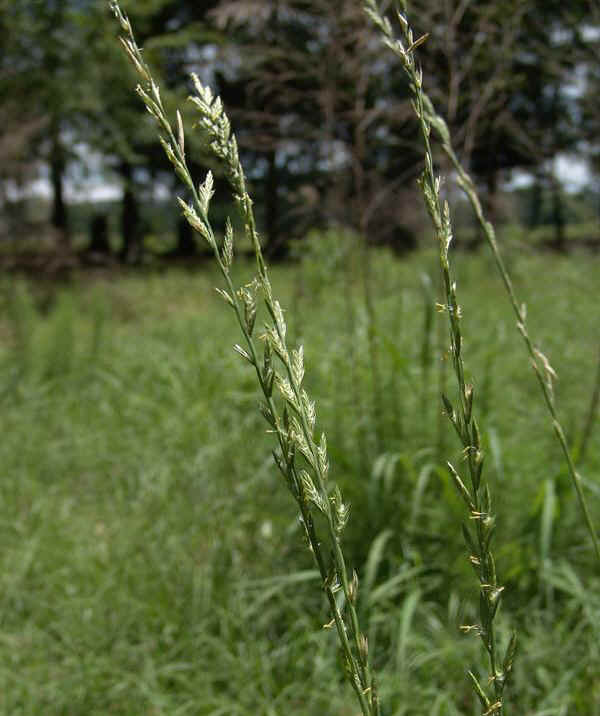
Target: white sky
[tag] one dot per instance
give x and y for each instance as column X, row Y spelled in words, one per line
column 572, row 172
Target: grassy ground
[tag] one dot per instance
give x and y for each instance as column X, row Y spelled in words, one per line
column 151, row 560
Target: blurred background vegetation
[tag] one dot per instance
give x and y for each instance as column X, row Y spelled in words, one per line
column 321, row 112
column 151, row 560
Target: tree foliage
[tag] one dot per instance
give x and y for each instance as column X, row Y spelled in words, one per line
column 322, row 113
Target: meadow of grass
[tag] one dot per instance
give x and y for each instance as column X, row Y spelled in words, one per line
column 152, row 561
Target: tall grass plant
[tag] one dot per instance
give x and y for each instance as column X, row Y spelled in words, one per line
column 173, row 613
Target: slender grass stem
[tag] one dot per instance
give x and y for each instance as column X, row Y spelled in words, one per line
column 540, row 364
column 294, row 426
column 477, row 498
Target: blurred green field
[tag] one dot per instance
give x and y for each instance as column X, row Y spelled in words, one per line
column 151, row 559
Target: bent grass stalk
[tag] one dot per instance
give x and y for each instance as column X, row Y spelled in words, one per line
column 477, row 498
column 302, row 460
column 540, row 364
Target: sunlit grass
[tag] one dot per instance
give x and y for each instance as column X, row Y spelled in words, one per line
column 151, row 562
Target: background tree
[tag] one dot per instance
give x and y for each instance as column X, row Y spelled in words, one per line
column 45, row 67
column 326, row 126
column 110, row 113
column 320, row 108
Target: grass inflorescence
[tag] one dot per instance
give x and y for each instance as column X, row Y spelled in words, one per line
column 431, row 120
column 301, row 458
column 477, row 497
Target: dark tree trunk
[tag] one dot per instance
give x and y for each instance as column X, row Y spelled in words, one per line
column 59, row 218
column 491, row 181
column 558, row 216
column 99, row 242
column 186, row 246
column 490, row 203
column 276, row 248
column 131, row 248
column 534, row 213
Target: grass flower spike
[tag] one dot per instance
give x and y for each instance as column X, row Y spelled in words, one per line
column 290, row 412
column 476, row 495
column 540, row 364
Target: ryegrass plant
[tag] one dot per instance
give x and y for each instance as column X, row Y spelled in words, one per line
column 431, row 120
column 462, row 419
column 301, row 459
column 477, row 498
